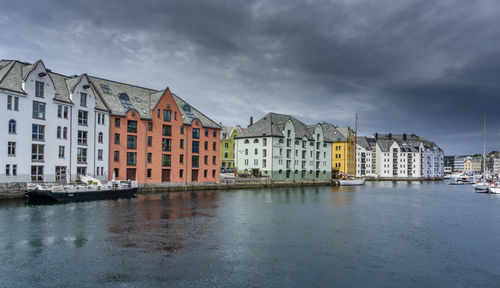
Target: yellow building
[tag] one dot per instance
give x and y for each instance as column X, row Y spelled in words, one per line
column 227, row 145
column 473, row 165
column 343, row 149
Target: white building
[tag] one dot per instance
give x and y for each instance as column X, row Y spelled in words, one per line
column 56, row 126
column 366, row 160
column 406, row 156
column 283, row 148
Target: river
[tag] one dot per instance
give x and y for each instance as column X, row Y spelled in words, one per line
column 382, row 234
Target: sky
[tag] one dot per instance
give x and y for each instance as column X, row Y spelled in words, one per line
column 426, row 67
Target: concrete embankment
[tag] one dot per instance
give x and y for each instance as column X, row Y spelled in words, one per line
column 404, row 179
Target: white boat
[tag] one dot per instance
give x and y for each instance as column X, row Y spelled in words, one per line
column 495, row 190
column 483, row 186
column 351, row 182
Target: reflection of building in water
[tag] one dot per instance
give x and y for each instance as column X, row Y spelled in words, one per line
column 342, row 195
column 162, row 222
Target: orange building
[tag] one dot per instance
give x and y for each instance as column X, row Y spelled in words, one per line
column 155, row 136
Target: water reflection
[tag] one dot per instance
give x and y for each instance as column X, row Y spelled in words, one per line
column 343, row 195
column 161, row 222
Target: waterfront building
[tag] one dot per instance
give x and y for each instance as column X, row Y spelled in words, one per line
column 407, row 156
column 449, row 163
column 343, row 150
column 366, row 157
column 283, row 148
column 227, row 144
column 473, row 165
column 458, row 165
column 56, row 126
column 155, row 136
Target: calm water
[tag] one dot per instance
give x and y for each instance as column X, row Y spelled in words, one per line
column 379, row 235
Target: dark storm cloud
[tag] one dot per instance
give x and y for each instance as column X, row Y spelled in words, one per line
column 427, row 67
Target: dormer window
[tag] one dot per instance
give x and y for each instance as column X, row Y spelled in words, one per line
column 125, row 101
column 39, row 89
column 83, row 99
column 105, row 88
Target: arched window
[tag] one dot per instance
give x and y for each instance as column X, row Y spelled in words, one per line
column 59, row 132
column 281, row 141
column 125, row 101
column 246, row 141
column 65, row 133
column 100, row 137
column 256, row 141
column 12, row 126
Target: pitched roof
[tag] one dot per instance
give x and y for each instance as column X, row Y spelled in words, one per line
column 385, row 145
column 363, row 142
column 227, row 131
column 332, row 133
column 273, row 124
column 189, row 113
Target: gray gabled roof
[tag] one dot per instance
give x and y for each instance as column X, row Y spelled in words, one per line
column 273, row 124
column 363, row 142
column 385, row 145
column 332, row 133
column 11, row 78
column 189, row 113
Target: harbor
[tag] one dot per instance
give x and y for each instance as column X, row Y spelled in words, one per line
column 391, row 234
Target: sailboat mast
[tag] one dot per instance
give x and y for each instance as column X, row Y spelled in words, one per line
column 484, row 145
column 355, row 148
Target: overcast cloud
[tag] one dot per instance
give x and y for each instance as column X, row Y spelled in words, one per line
column 424, row 67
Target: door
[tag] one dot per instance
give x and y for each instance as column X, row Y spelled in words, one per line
column 131, row 174
column 194, row 176
column 165, row 175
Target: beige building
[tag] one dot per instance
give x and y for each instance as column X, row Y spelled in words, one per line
column 473, row 165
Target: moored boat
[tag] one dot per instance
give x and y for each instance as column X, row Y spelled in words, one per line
column 351, row 182
column 93, row 190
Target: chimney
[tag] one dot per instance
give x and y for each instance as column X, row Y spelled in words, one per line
column 251, row 121
column 404, row 136
column 390, row 136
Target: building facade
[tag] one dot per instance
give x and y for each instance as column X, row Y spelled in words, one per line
column 227, row 144
column 366, row 157
column 343, row 150
column 56, row 126
column 449, row 164
column 283, row 148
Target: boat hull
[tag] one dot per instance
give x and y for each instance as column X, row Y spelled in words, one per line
column 45, row 196
column 481, row 188
column 351, row 182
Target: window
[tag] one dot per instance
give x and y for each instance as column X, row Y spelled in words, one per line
column 105, row 88
column 98, row 122
column 81, row 155
column 58, row 132
column 288, row 133
column 196, row 133
column 131, row 158
column 116, row 156
column 81, row 170
column 214, row 133
column 264, row 152
column 132, row 126
column 205, row 160
column 125, row 101
column 214, row 146
column 37, row 152
column 166, row 144
column 82, row 137
column 166, row 160
column 38, row 132
column 83, row 99
column 12, row 126
column 11, row 149
column 167, row 130
column 65, row 112
column 181, row 172
column 226, row 145
column 246, row 151
column 214, row 160
column 195, row 162
column 117, row 138
column 182, row 143
column 150, row 157
column 36, row 173
column 65, row 133
column 150, row 126
column 149, row 173
column 14, row 170
column 83, row 117
column 205, row 173
column 256, row 151
column 206, row 145
column 131, row 142
column 116, row 172
column 264, row 163
column 196, row 147
column 9, row 102
column 175, row 115
column 213, row 173
column 182, row 130
column 264, row 142
column 181, row 159
column 117, row 122
column 102, row 122
column 246, row 141
column 167, row 114
column 61, row 151
column 100, row 137
column 206, row 132
column 150, row 141
column 280, row 141
column 99, row 154
column 38, row 110
column 61, row 173
column 39, row 89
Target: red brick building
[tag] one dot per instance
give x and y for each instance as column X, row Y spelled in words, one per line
column 155, row 136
